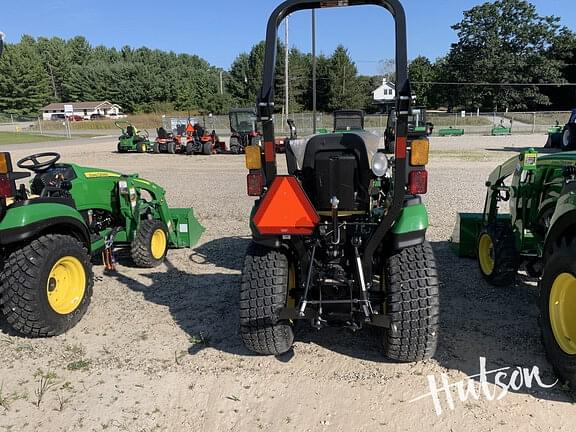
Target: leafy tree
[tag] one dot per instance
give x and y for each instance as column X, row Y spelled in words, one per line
column 504, row 41
column 422, row 72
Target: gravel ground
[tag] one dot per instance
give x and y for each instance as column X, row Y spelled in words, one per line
column 159, row 349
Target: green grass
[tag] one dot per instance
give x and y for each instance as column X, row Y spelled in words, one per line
column 21, row 138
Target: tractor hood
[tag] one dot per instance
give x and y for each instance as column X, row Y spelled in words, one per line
column 372, row 143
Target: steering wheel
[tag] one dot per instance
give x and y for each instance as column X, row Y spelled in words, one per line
column 36, row 164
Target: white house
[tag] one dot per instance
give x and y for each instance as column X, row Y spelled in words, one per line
column 86, row 110
column 385, row 95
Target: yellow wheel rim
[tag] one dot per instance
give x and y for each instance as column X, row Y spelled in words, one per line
column 66, row 285
column 562, row 309
column 143, row 148
column 158, row 243
column 486, row 254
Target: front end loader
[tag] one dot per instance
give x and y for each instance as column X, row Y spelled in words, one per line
column 539, row 232
column 50, row 230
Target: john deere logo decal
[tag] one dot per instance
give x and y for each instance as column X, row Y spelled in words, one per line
column 97, row 174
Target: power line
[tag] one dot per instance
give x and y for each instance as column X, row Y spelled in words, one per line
column 487, row 84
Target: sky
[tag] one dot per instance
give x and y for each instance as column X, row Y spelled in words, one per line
column 219, row 30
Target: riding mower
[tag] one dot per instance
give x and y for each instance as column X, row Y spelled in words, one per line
column 131, row 139
column 49, row 232
column 563, row 137
column 539, row 232
column 339, row 240
column 179, row 135
column 417, row 125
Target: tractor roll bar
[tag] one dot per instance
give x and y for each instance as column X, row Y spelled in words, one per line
column 265, row 104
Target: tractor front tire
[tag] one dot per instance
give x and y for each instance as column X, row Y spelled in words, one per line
column 412, row 303
column 263, row 292
column 141, row 147
column 150, row 244
column 234, row 146
column 207, row 148
column 171, row 147
column 497, row 255
column 46, row 286
column 557, row 306
column 568, row 139
column 120, row 149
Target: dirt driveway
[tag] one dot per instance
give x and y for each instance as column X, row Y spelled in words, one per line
column 159, row 349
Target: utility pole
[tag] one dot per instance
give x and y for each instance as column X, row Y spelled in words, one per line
column 221, row 82
column 314, row 71
column 286, row 71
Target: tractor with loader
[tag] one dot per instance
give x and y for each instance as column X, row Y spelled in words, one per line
column 341, row 239
column 50, row 230
column 539, row 232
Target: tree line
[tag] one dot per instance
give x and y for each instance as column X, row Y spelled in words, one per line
column 500, row 43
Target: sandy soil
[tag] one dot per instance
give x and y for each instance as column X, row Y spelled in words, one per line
column 159, row 349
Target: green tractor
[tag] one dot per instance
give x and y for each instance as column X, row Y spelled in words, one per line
column 563, row 137
column 132, row 140
column 538, row 231
column 341, row 239
column 49, row 232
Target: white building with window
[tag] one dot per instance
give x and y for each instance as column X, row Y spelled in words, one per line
column 86, row 110
column 385, row 95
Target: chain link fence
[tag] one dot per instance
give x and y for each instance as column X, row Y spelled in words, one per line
column 475, row 123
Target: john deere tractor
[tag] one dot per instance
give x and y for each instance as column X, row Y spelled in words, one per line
column 49, row 231
column 563, row 137
column 131, row 139
column 339, row 240
column 538, row 231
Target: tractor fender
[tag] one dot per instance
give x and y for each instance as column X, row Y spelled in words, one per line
column 410, row 227
column 562, row 225
column 26, row 222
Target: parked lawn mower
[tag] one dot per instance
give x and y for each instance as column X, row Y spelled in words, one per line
column 70, row 213
column 178, row 135
column 563, row 137
column 132, row 140
column 417, row 125
column 339, row 240
column 539, row 231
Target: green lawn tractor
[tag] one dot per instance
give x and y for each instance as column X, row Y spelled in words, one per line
column 539, row 231
column 132, row 140
column 49, row 232
column 339, row 240
column 563, row 137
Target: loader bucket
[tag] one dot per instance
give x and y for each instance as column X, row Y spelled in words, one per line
column 188, row 229
column 467, row 231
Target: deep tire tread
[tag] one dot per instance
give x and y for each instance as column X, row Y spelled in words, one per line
column 140, row 250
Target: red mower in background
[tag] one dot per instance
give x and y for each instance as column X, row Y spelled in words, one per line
column 186, row 135
column 244, row 131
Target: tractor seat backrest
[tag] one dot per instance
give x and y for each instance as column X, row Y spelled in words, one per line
column 130, row 131
column 337, row 165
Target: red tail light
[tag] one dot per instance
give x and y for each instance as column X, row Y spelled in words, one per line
column 6, row 186
column 255, row 183
column 418, row 182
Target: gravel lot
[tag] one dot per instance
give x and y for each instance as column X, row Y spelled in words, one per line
column 159, row 351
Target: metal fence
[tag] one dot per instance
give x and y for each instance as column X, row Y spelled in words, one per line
column 474, row 123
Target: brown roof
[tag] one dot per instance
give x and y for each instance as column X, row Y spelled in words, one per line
column 78, row 105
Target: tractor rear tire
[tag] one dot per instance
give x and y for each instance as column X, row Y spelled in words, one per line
column 120, row 149
column 568, row 139
column 171, row 147
column 234, row 146
column 263, row 292
column 207, row 148
column 150, row 244
column 497, row 255
column 412, row 302
column 46, row 286
column 557, row 306
column 156, row 148
column 141, row 147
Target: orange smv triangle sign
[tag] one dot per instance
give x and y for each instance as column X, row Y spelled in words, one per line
column 286, row 209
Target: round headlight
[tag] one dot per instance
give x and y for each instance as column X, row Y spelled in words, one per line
column 379, row 164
